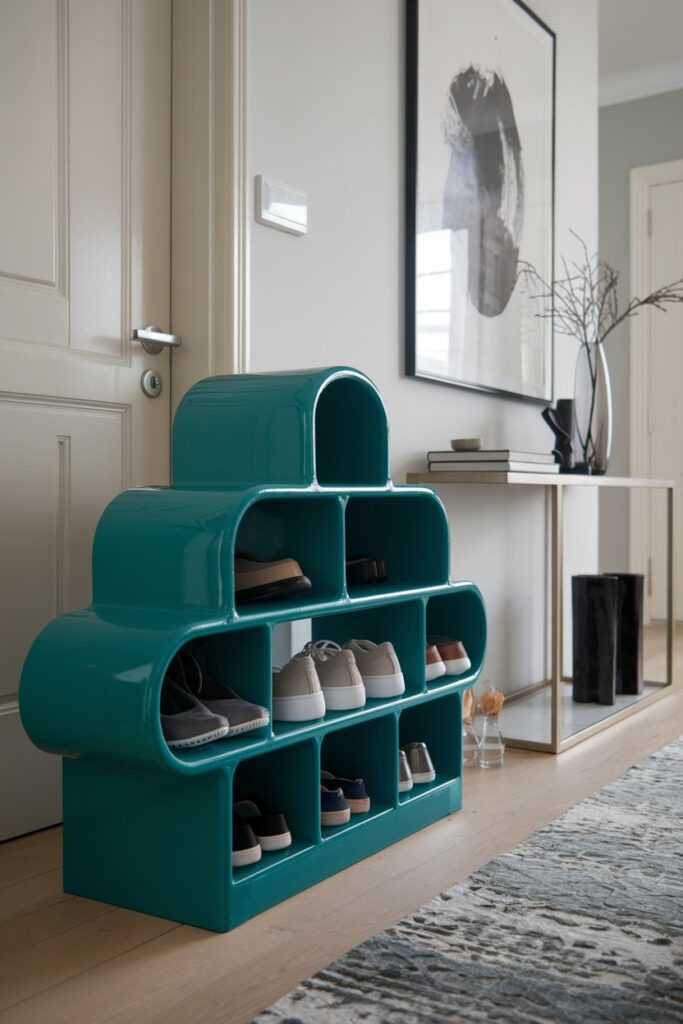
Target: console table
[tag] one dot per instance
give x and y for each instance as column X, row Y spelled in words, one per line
column 543, row 716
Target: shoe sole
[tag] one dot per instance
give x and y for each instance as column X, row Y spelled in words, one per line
column 335, row 817
column 199, row 741
column 423, row 778
column 456, row 666
column 380, row 687
column 242, row 858
column 404, row 786
column 269, row 844
column 344, row 698
column 434, row 670
column 258, row 723
column 301, row 707
column 359, row 806
column 279, row 588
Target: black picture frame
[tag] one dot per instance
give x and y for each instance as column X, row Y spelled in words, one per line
column 412, row 162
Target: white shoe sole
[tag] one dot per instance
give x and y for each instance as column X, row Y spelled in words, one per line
column 456, row 666
column 271, row 843
column 404, row 786
column 258, row 723
column 379, row 687
column 199, row 741
column 359, row 806
column 241, row 858
column 335, row 817
column 434, row 670
column 302, row 707
column 422, row 778
column 344, row 698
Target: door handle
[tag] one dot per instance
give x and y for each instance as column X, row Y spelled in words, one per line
column 154, row 340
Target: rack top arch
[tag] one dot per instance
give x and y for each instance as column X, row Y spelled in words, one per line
column 320, row 426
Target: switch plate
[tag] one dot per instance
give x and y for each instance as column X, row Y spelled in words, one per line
column 281, row 206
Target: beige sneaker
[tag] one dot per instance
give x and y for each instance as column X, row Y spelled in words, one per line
column 379, row 668
column 297, row 694
column 339, row 676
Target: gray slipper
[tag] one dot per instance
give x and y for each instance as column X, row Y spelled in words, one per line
column 185, row 722
column 222, row 699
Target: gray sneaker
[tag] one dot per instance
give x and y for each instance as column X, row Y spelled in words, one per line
column 220, row 698
column 419, row 762
column 405, row 777
column 185, row 722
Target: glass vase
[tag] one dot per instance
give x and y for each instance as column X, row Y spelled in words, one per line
column 593, row 401
column 492, row 744
column 470, row 745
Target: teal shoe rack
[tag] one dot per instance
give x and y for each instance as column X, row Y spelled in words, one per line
column 286, row 464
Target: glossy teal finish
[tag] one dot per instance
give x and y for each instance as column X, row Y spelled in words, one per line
column 149, row 828
column 277, row 428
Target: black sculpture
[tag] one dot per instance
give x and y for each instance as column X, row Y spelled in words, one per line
column 562, row 422
column 595, row 611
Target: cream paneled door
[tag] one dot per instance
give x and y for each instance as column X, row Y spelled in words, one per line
column 85, row 119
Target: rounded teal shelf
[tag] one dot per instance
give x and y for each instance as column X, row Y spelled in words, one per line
column 285, row 464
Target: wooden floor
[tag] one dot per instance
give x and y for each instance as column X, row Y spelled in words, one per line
column 69, row 960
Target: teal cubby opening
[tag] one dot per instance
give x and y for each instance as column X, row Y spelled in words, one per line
column 368, row 751
column 241, row 659
column 308, row 529
column 436, row 722
column 351, row 435
column 408, row 531
column 460, row 615
column 400, row 622
column 284, row 781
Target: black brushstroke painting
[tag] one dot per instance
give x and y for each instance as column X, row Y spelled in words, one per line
column 484, row 191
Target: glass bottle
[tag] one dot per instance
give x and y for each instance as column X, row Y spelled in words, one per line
column 492, row 744
column 470, row 745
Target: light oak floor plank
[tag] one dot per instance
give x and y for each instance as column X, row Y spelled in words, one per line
column 116, row 966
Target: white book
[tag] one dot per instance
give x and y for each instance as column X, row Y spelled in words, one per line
column 491, row 455
column 493, row 467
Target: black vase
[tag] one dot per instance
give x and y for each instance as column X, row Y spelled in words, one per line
column 629, row 676
column 595, row 606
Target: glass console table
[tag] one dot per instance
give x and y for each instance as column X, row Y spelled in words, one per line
column 543, row 716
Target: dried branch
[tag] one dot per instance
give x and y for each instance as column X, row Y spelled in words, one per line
column 584, row 302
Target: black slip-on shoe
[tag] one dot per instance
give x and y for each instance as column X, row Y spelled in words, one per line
column 270, row 827
column 246, row 848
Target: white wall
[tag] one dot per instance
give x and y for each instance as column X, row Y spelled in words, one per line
column 326, row 114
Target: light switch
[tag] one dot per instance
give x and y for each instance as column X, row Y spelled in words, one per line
column 280, row 206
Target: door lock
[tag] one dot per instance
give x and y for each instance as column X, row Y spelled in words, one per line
column 150, row 382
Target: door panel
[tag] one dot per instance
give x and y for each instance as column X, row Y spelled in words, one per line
column 665, row 343
column 85, row 93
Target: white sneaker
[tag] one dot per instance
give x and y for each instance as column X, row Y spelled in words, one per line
column 341, row 681
column 379, row 668
column 297, row 694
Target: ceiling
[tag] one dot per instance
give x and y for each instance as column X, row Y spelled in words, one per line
column 640, row 37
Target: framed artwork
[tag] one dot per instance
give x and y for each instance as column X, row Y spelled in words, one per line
column 479, row 194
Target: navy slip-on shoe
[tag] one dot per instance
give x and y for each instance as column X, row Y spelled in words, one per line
column 354, row 791
column 334, row 810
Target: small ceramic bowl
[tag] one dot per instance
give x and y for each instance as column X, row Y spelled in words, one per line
column 466, row 444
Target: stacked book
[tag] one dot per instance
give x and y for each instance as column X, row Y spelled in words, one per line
column 494, row 460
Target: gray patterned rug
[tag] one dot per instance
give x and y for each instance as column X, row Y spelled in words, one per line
column 582, row 923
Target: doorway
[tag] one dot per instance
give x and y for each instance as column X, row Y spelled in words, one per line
column 656, row 358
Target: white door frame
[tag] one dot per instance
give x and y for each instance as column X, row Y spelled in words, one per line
column 210, row 193
column 642, row 179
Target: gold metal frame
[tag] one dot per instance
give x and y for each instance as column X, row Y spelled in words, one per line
column 556, row 484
